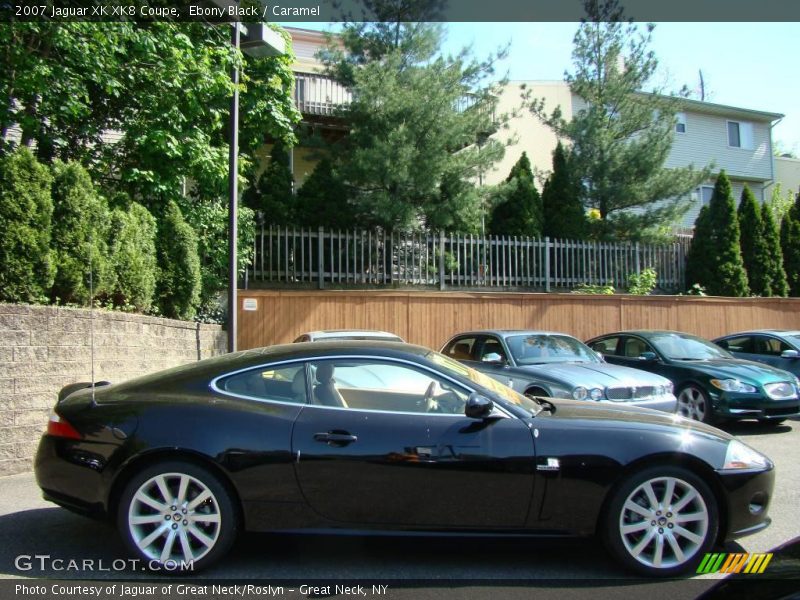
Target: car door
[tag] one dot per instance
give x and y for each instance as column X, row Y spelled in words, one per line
column 768, row 349
column 388, row 455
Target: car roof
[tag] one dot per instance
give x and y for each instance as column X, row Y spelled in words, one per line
column 643, row 332
column 509, row 332
column 775, row 332
column 359, row 332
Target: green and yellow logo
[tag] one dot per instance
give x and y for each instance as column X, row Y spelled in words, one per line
column 742, row 562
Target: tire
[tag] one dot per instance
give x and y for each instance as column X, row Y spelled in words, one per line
column 189, row 533
column 683, row 529
column 693, row 403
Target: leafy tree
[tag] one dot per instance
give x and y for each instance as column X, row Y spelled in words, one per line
column 26, row 265
column 715, row 258
column 178, row 284
column 790, row 244
column 775, row 272
column 519, row 211
column 273, row 193
column 415, row 118
column 620, row 140
column 754, row 247
column 80, row 231
column 132, row 252
column 322, row 200
column 563, row 214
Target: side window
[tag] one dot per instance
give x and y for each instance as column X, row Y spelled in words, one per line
column 633, row 347
column 460, row 348
column 742, row 343
column 493, row 346
column 285, row 383
column 377, row 385
column 770, row 346
column 607, row 346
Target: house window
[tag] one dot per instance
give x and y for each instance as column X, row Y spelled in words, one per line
column 680, row 125
column 704, row 192
column 740, row 135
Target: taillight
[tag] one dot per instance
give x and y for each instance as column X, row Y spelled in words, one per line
column 57, row 426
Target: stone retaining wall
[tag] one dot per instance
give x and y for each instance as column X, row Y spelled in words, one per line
column 43, row 348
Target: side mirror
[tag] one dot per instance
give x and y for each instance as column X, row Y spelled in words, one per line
column 790, row 354
column 494, row 358
column 599, row 356
column 648, row 356
column 478, row 407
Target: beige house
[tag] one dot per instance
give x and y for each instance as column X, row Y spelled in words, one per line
column 738, row 140
column 787, row 174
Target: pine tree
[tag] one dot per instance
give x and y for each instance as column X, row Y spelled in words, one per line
column 753, row 246
column 322, row 200
column 132, row 246
column 519, row 207
column 715, row 258
column 772, row 241
column 26, row 263
column 272, row 194
column 80, row 234
column 563, row 214
column 790, row 244
column 178, row 285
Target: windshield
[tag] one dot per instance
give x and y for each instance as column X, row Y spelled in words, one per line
column 505, row 392
column 680, row 346
column 543, row 348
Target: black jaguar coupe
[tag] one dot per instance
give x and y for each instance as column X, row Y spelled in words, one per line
column 383, row 436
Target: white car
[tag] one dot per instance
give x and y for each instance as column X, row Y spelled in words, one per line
column 348, row 334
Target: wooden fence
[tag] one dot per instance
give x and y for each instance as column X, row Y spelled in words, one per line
column 430, row 318
column 356, row 258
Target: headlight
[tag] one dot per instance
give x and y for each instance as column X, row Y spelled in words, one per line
column 669, row 388
column 596, row 394
column 580, row 393
column 733, row 385
column 741, row 456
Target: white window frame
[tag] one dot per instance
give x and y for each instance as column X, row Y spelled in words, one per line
column 746, row 134
column 681, row 121
column 700, row 189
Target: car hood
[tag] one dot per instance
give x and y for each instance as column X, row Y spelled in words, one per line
column 736, row 368
column 629, row 416
column 594, row 374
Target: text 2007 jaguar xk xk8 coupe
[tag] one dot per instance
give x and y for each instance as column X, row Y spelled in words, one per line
column 377, row 436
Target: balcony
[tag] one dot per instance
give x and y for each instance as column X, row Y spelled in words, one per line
column 316, row 94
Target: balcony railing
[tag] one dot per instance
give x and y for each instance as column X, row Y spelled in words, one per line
column 318, row 94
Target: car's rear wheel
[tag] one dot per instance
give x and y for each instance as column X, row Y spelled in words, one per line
column 177, row 517
column 693, row 403
column 661, row 521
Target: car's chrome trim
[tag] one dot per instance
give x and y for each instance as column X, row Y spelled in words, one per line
column 214, row 387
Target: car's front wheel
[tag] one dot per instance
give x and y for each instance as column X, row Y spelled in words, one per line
column 177, row 517
column 661, row 521
column 693, row 403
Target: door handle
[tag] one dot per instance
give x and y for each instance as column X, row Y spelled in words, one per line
column 335, row 438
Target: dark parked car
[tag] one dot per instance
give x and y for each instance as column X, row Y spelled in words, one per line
column 287, row 438
column 710, row 383
column 779, row 348
column 543, row 363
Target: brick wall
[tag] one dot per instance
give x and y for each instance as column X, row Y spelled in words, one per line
column 43, row 348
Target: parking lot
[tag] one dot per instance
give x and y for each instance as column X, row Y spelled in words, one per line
column 30, row 526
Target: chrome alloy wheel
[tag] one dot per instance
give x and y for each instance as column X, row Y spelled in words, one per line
column 174, row 517
column 664, row 522
column 692, row 403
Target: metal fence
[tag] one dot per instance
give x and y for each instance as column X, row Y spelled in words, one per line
column 360, row 258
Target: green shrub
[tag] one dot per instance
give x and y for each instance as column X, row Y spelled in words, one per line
column 272, row 193
column 178, row 283
column 518, row 209
column 80, row 231
column 772, row 241
column 563, row 214
column 132, row 246
column 26, row 265
column 754, row 247
column 644, row 283
column 598, row 289
column 322, row 200
column 790, row 244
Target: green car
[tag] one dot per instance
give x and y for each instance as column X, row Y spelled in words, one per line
column 711, row 385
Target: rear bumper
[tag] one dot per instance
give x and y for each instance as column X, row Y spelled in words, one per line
column 748, row 496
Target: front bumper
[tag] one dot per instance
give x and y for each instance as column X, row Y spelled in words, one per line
column 748, row 495
column 751, row 406
column 663, row 403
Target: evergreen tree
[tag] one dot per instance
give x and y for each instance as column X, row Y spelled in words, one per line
column 754, row 248
column 772, row 240
column 80, row 234
column 26, row 264
column 563, row 214
column 132, row 246
column 715, row 257
column 178, row 284
column 790, row 244
column 458, row 207
column 322, row 200
column 272, row 194
column 519, row 208
column 622, row 137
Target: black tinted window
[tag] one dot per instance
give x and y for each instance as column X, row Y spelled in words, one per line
column 283, row 384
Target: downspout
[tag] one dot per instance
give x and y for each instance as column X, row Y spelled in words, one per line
column 771, row 160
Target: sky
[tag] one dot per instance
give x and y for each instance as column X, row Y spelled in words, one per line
column 748, row 65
